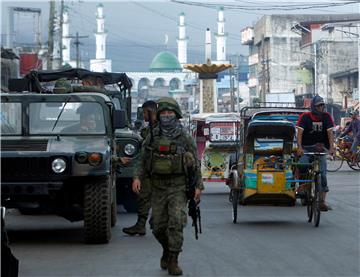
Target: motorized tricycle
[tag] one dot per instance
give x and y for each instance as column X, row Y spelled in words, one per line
column 260, row 171
column 263, row 174
column 216, row 137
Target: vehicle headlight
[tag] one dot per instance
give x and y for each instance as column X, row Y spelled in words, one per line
column 58, row 165
column 95, row 159
column 129, row 149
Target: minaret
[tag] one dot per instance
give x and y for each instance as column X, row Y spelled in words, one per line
column 182, row 40
column 207, row 45
column 221, row 38
column 66, row 38
column 56, row 50
column 100, row 35
column 100, row 63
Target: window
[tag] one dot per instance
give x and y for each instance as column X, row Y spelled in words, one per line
column 10, row 118
column 66, row 118
column 268, row 144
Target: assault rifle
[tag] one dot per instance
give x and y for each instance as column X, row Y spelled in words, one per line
column 193, row 205
column 194, row 213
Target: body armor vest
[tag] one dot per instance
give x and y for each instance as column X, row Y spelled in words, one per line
column 167, row 156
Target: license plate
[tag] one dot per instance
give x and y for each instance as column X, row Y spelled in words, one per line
column 267, row 179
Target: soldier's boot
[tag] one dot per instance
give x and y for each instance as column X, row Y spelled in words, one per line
column 137, row 229
column 164, row 259
column 173, row 266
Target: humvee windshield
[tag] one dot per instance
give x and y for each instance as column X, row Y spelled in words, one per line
column 10, row 118
column 66, row 118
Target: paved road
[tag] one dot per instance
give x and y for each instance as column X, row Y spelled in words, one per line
column 267, row 241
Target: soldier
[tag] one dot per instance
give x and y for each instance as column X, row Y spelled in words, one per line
column 87, row 123
column 90, row 84
column 163, row 156
column 144, row 197
column 62, row 85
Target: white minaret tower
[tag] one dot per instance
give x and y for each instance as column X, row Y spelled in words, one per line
column 100, row 63
column 66, row 38
column 207, row 45
column 221, row 37
column 182, row 40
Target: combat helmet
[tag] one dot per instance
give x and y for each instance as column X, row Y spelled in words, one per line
column 168, row 103
column 62, row 85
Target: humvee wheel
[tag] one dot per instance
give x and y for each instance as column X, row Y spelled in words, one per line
column 113, row 207
column 97, row 211
column 113, row 200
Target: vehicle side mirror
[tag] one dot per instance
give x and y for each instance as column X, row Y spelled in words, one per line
column 140, row 114
column 137, row 124
column 119, row 119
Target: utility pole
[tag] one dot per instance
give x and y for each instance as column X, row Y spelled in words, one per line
column 315, row 68
column 77, row 44
column 263, row 84
column 232, row 100
column 51, row 35
column 238, row 81
column 61, row 30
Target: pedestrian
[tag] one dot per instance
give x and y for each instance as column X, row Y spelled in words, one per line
column 315, row 130
column 162, row 157
column 144, row 196
column 353, row 127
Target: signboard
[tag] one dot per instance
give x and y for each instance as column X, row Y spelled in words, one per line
column 267, row 179
column 223, row 131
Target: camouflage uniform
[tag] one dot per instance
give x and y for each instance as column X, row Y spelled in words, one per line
column 144, row 197
column 162, row 159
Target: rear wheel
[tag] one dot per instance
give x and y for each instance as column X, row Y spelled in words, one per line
column 235, row 202
column 334, row 163
column 97, row 211
column 356, row 165
column 309, row 207
column 317, row 200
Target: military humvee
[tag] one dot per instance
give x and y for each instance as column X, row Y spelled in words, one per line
column 57, row 156
column 118, row 89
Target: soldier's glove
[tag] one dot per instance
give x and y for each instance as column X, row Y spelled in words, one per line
column 189, row 160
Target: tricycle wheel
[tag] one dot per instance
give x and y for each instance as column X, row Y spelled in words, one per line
column 317, row 200
column 309, row 207
column 235, row 203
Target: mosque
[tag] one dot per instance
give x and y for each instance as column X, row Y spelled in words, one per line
column 166, row 75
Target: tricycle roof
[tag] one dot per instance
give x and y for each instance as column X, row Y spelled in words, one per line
column 272, row 128
column 248, row 112
column 216, row 117
column 284, row 114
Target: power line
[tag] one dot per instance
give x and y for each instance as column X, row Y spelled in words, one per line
column 263, row 7
column 192, row 25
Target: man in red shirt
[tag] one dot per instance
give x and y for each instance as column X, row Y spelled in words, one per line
column 315, row 129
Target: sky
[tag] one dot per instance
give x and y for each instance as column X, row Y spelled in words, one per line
column 137, row 29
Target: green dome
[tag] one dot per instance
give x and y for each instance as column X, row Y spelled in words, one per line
column 165, row 61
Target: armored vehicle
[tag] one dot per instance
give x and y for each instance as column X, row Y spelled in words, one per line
column 116, row 86
column 57, row 156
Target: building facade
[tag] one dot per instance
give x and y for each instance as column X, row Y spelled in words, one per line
column 279, row 62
